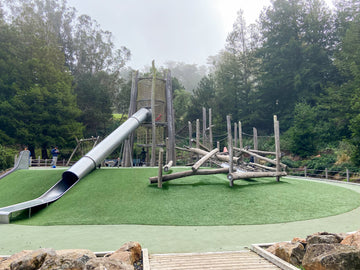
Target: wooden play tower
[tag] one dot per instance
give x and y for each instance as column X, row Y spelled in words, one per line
column 156, row 94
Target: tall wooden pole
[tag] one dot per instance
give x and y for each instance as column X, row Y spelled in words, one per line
column 277, row 145
column 240, row 136
column 230, row 146
column 170, row 118
column 210, row 131
column 204, row 126
column 160, row 177
column 197, row 134
column 235, row 135
column 153, row 116
column 190, row 140
column 255, row 137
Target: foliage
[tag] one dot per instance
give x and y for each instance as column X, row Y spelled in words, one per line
column 6, row 157
column 302, row 135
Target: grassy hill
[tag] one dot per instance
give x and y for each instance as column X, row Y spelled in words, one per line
column 124, row 196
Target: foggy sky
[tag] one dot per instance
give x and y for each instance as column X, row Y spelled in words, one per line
column 178, row 30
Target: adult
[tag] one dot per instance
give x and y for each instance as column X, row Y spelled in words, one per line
column 54, row 152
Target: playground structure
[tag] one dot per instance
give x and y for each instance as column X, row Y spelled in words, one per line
column 154, row 93
column 232, row 161
column 151, row 105
column 143, row 107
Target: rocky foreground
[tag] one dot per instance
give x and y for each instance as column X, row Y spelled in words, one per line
column 321, row 251
column 126, row 257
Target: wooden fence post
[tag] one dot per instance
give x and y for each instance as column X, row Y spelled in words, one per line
column 240, row 136
column 347, row 175
column 326, row 173
column 197, row 135
column 305, row 171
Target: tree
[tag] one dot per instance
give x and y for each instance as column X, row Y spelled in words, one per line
column 302, row 135
column 40, row 109
column 295, row 57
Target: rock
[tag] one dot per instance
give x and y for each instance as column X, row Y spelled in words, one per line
column 128, row 253
column 275, row 246
column 290, row 252
column 352, row 240
column 32, row 260
column 74, row 259
column 5, row 264
column 324, row 238
column 331, row 257
column 107, row 263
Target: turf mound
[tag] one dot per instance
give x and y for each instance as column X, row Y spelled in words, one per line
column 124, row 196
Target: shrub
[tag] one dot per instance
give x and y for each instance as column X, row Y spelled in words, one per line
column 6, row 157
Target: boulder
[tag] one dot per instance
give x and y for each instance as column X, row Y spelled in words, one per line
column 324, row 238
column 32, row 260
column 74, row 259
column 290, row 252
column 331, row 257
column 352, row 240
column 5, row 263
column 128, row 253
column 107, row 263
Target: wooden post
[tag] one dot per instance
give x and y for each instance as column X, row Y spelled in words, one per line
column 210, row 131
column 190, row 140
column 305, row 171
column 240, row 135
column 235, row 135
column 160, row 176
column 153, row 116
column 197, row 134
column 347, row 175
column 255, row 138
column 218, row 145
column 230, row 144
column 170, row 118
column 277, row 145
column 326, row 173
column 39, row 161
column 204, row 126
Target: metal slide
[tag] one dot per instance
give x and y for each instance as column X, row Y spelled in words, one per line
column 81, row 168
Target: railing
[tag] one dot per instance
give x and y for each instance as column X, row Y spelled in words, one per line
column 38, row 162
column 344, row 175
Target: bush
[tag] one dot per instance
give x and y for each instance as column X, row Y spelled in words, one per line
column 6, row 157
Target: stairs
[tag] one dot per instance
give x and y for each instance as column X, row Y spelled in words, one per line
column 213, row 260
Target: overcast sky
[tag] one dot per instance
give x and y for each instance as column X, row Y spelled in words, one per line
column 179, row 30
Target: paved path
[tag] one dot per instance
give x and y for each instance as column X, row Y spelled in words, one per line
column 170, row 239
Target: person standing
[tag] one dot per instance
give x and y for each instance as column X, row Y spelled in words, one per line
column 54, row 152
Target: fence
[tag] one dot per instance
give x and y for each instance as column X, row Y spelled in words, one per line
column 325, row 174
column 38, row 162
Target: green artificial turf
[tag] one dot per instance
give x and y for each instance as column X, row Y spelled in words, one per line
column 124, row 196
column 24, row 185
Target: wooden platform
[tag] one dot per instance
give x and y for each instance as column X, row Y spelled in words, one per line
column 213, row 260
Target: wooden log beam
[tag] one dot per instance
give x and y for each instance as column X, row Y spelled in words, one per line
column 224, row 158
column 177, row 175
column 243, row 175
column 263, row 166
column 260, row 157
column 168, row 166
column 201, row 161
